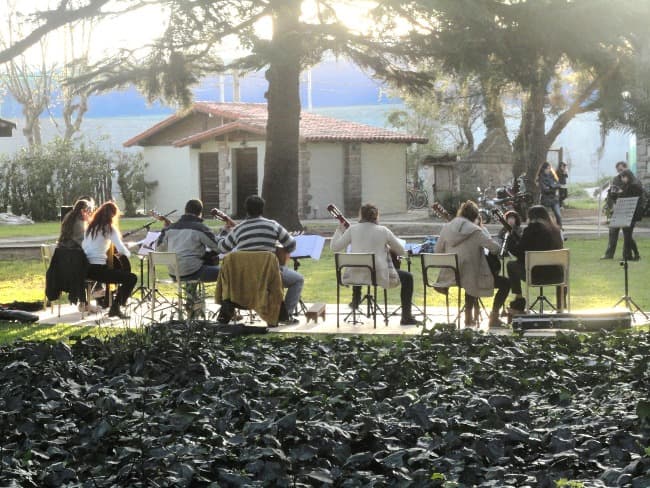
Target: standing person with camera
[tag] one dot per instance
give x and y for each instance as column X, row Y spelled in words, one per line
column 548, row 186
column 615, row 189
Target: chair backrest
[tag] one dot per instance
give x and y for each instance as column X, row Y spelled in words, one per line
column 363, row 265
column 557, row 272
column 47, row 251
column 439, row 261
column 158, row 258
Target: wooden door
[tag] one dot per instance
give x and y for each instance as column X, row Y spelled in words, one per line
column 209, row 175
column 246, row 168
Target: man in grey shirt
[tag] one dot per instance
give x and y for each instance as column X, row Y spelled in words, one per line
column 188, row 238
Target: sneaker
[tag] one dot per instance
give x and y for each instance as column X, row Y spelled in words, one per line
column 607, row 256
column 497, row 324
column 116, row 312
column 409, row 321
column 518, row 304
column 290, row 321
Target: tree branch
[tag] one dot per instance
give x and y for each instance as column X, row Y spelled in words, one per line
column 53, row 20
column 577, row 106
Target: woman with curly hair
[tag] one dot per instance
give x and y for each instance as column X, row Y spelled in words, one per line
column 74, row 224
column 103, row 231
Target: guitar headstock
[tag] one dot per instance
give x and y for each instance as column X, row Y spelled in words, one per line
column 440, row 211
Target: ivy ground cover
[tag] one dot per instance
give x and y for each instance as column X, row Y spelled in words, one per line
column 183, row 405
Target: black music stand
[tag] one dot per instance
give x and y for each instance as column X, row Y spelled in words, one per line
column 622, row 216
column 407, row 258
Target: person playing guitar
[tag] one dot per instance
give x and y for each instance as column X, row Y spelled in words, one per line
column 257, row 233
column 466, row 237
column 369, row 236
column 101, row 236
column 189, row 238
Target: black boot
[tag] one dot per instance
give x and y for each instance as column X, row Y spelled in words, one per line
column 115, row 311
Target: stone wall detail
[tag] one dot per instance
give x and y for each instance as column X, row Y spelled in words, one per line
column 351, row 178
column 489, row 165
column 304, row 182
column 225, row 184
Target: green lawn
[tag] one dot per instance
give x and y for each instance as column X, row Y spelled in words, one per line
column 11, row 331
column 53, row 228
column 594, row 283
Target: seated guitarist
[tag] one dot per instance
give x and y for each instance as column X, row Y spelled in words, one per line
column 102, row 232
column 465, row 237
column 257, row 233
column 188, row 238
column 368, row 236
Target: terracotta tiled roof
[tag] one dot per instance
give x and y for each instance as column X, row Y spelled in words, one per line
column 217, row 131
column 253, row 116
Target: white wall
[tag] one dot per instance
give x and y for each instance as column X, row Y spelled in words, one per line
column 177, row 173
column 326, row 176
column 383, row 176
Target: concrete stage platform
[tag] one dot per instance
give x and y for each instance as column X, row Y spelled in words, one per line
column 139, row 315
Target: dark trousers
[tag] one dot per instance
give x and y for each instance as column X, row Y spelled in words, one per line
column 406, row 292
column 630, row 250
column 517, row 274
column 612, row 241
column 125, row 279
column 502, row 284
column 472, row 311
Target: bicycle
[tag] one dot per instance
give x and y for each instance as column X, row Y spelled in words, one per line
column 416, row 198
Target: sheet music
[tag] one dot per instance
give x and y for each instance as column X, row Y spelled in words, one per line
column 148, row 244
column 308, row 246
column 623, row 214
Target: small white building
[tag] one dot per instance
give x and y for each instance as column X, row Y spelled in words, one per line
column 215, row 152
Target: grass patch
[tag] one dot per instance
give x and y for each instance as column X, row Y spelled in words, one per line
column 11, row 331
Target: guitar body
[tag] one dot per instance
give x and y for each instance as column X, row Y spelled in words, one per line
column 283, row 255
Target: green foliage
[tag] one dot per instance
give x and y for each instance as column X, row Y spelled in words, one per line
column 130, row 178
column 565, row 483
column 37, row 181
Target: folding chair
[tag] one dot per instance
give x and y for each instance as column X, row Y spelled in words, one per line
column 250, row 280
column 47, row 251
column 440, row 261
column 558, row 277
column 359, row 269
column 189, row 293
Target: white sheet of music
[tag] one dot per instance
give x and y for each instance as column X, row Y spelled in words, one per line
column 308, row 246
column 148, row 244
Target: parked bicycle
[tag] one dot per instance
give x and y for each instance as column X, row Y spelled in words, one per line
column 416, row 198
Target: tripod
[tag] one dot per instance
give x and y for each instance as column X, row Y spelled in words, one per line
column 398, row 310
column 371, row 305
column 630, row 304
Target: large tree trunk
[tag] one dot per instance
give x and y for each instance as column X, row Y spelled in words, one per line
column 281, row 162
column 531, row 145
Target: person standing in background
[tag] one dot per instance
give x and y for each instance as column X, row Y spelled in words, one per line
column 615, row 189
column 562, row 173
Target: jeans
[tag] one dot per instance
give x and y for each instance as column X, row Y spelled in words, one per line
column 293, row 282
column 205, row 273
column 555, row 208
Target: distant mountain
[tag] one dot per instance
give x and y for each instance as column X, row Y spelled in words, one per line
column 334, row 83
